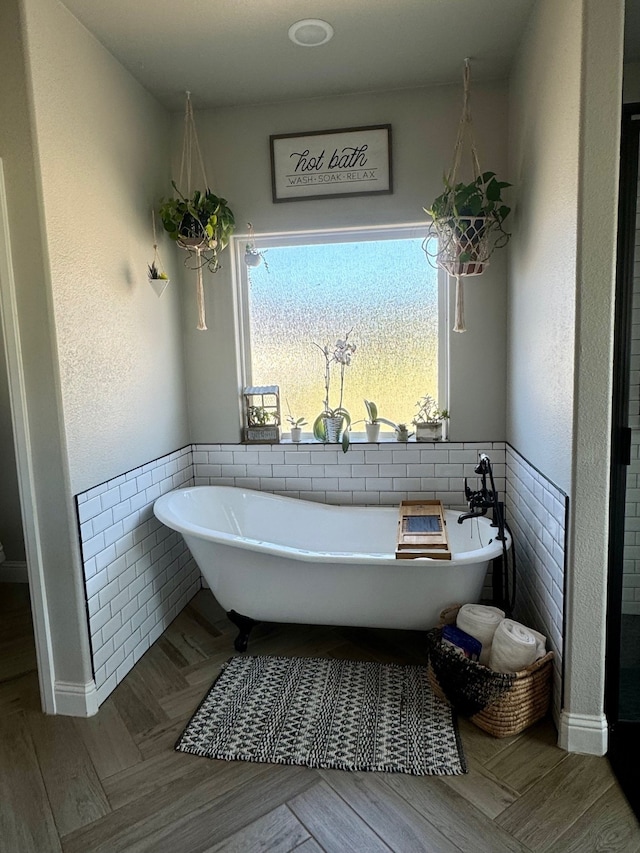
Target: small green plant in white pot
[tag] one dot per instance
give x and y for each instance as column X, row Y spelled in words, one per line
column 429, row 419
column 373, row 422
column 296, row 425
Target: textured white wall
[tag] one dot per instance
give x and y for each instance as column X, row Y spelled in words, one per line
column 564, row 150
column 53, row 510
column 597, row 233
column 104, row 158
column 544, row 156
column 102, row 354
column 235, row 143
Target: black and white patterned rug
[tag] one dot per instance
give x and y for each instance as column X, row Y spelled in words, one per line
column 351, row 715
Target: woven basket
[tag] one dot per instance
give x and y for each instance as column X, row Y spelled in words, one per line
column 502, row 704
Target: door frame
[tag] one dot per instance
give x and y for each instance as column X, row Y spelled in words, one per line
column 24, row 460
column 624, row 735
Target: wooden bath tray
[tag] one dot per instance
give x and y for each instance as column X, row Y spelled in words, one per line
column 422, row 531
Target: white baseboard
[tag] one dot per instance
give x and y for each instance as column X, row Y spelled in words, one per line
column 583, row 733
column 76, row 700
column 13, row 571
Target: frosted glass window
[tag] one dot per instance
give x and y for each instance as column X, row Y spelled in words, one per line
column 382, row 291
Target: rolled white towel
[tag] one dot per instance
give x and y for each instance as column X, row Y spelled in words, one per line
column 541, row 643
column 480, row 621
column 514, row 647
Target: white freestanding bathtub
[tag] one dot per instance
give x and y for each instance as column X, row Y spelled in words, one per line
column 278, row 559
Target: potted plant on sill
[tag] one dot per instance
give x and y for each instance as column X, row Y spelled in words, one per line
column 296, row 427
column 429, row 419
column 402, row 433
column 468, row 221
column 332, row 425
column 259, row 429
column 373, row 421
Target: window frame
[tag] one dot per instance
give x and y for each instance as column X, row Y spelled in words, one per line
column 406, row 231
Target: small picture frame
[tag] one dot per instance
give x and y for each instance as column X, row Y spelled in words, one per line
column 352, row 161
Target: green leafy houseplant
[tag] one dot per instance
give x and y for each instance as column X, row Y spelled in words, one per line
column 373, row 421
column 460, row 203
column 296, row 422
column 468, row 220
column 259, row 416
column 202, row 222
column 429, row 418
column 373, row 417
column 428, row 411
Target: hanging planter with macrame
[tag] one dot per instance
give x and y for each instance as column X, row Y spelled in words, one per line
column 200, row 222
column 253, row 257
column 158, row 279
column 466, row 219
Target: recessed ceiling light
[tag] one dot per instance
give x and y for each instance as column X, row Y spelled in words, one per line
column 311, row 32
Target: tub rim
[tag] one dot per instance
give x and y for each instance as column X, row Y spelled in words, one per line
column 161, row 511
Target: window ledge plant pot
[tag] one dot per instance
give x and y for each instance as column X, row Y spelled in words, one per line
column 429, row 431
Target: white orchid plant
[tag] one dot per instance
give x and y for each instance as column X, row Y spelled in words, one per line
column 339, row 356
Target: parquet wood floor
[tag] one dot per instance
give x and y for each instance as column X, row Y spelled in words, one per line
column 114, row 784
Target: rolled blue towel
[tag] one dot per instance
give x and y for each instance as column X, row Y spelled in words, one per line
column 457, row 637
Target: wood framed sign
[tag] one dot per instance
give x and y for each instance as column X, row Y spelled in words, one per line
column 330, row 163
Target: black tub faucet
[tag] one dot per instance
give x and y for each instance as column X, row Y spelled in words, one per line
column 483, row 498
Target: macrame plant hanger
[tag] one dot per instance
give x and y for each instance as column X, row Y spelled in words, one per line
column 465, row 252
column 190, row 146
column 465, row 127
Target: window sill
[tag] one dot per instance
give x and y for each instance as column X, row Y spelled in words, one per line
column 359, row 439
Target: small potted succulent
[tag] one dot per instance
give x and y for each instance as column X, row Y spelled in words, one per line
column 158, row 279
column 296, row 425
column 155, row 274
column 402, row 433
column 429, row 419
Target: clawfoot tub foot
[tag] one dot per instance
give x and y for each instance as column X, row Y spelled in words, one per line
column 245, row 624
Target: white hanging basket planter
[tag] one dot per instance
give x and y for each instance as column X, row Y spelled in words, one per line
column 466, row 218
column 199, row 221
column 464, row 248
column 252, row 258
column 194, row 243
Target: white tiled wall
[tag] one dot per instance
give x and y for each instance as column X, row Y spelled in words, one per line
column 536, row 514
column 138, row 573
column 368, row 474
column 631, row 569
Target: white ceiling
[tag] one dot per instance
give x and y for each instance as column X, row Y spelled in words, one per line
column 229, row 52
